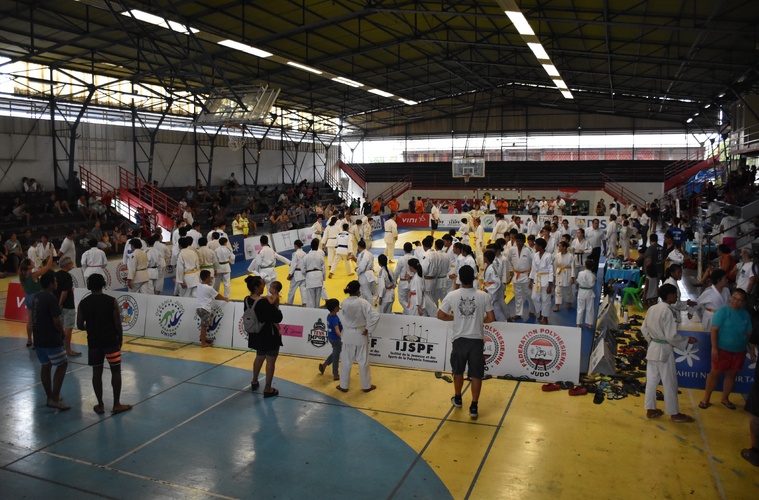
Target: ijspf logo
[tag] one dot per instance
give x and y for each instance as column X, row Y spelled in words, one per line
column 169, row 315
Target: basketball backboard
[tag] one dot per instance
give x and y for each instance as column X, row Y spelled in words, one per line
column 244, row 106
column 467, row 168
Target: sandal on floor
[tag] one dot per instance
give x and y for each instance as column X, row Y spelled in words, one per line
column 599, row 397
column 654, row 413
column 729, row 405
column 254, row 386
column 578, row 391
column 703, row 405
column 447, row 379
column 682, row 418
column 751, row 456
column 98, row 409
column 271, row 393
column 341, row 389
column 550, row 387
column 121, row 409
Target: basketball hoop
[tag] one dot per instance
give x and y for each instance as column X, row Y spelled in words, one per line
column 466, row 178
column 235, row 142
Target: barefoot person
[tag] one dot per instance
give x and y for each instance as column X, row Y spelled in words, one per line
column 660, row 330
column 99, row 315
column 731, row 326
column 468, row 308
column 47, row 330
column 359, row 319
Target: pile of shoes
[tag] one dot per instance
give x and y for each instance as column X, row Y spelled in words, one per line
column 570, row 387
column 612, row 387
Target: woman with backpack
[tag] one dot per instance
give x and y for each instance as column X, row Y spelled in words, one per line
column 266, row 340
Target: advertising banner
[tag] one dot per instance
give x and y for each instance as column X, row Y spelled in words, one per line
column 78, row 278
column 115, row 275
column 410, row 341
column 694, row 363
column 133, row 308
column 305, row 235
column 174, row 318
column 15, row 302
column 284, row 240
column 453, row 221
column 237, row 242
column 304, row 331
column 413, row 220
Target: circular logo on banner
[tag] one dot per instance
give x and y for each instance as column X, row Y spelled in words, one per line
column 317, row 337
column 74, row 281
column 129, row 311
column 169, row 315
column 241, row 330
column 495, row 347
column 169, row 270
column 216, row 316
column 108, row 279
column 542, row 352
column 121, row 274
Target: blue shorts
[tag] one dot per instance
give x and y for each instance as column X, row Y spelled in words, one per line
column 52, row 355
column 28, row 300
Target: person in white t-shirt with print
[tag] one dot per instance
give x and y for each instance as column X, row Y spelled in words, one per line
column 206, row 294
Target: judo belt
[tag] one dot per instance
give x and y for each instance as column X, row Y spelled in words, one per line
column 710, row 310
column 659, row 341
column 408, row 306
column 192, row 272
column 297, row 268
column 267, row 267
column 207, row 266
column 225, row 262
column 519, row 273
column 138, row 270
column 561, row 269
column 312, row 270
column 586, row 288
column 342, row 246
column 429, row 277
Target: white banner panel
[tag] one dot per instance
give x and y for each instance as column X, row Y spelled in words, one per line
column 541, row 352
column 78, row 278
column 304, row 331
column 252, row 246
column 283, row 241
column 453, row 221
column 133, row 308
column 305, row 235
column 174, row 318
column 410, row 341
column 116, row 275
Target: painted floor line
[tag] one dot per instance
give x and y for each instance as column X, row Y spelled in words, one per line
column 38, row 383
column 172, row 429
column 138, row 476
column 57, row 483
column 707, row 448
column 492, row 441
column 426, row 445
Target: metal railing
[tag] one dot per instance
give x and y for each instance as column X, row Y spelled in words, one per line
column 745, row 139
column 124, row 205
column 621, row 193
column 404, row 184
column 148, row 193
column 355, row 172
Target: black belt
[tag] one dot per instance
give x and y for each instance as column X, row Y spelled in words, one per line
column 311, row 270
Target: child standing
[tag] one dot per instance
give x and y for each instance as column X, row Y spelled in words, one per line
column 274, row 289
column 334, row 335
column 386, row 286
column 206, row 294
column 625, row 234
column 586, row 294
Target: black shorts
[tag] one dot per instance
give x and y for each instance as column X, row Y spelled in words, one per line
column 468, row 352
column 97, row 355
column 434, row 224
column 752, row 401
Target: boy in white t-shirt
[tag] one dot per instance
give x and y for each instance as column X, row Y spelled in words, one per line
column 206, row 294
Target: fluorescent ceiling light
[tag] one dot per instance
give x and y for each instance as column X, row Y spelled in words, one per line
column 689, row 120
column 158, row 21
column 551, row 70
column 245, row 48
column 381, row 92
column 408, row 101
column 520, row 23
column 345, row 81
column 538, row 50
column 560, row 83
column 567, row 94
column 4, row 60
column 705, row 107
column 304, row 67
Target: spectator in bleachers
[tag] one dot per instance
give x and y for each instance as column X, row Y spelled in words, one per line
column 26, row 239
column 26, row 186
column 232, row 182
column 83, row 207
column 97, row 208
column 19, row 210
column 45, row 248
column 13, row 252
column 222, row 198
column 54, row 204
column 201, row 191
column 102, row 239
column 35, row 186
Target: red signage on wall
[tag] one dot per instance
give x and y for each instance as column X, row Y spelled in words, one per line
column 15, row 309
column 413, row 220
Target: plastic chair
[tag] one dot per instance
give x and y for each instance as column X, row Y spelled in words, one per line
column 634, row 294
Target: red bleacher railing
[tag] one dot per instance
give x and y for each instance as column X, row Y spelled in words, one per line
column 622, row 194
column 397, row 189
column 355, row 172
column 125, row 205
column 147, row 193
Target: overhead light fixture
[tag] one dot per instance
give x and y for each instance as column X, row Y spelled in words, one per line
column 159, row 21
column 551, row 70
column 245, row 48
column 538, row 50
column 689, row 120
column 567, row 94
column 696, row 114
column 721, row 95
column 4, row 60
column 345, row 81
column 560, row 83
column 707, row 106
column 304, row 67
column 408, row 101
column 381, row 92
column 520, row 23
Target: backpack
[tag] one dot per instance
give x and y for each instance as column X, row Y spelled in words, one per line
column 250, row 322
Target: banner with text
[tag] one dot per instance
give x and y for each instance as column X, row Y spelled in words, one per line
column 174, row 318
column 133, row 308
column 695, row 362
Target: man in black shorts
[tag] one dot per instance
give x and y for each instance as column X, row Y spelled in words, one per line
column 752, row 406
column 47, row 329
column 468, row 309
column 99, row 314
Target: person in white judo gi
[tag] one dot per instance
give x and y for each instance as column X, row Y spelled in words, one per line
column 297, row 274
column 137, row 269
column 365, row 271
column 385, row 286
column 711, row 299
column 94, row 261
column 263, row 264
column 541, row 280
column 359, row 320
column 493, row 285
column 343, row 251
column 564, row 276
column 660, row 330
column 403, row 277
column 612, row 238
column 520, row 258
column 316, row 273
column 586, row 295
column 225, row 257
